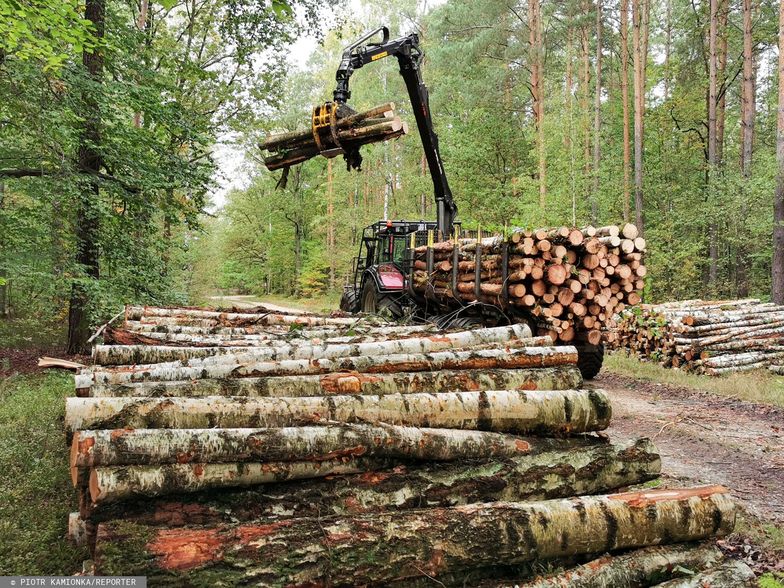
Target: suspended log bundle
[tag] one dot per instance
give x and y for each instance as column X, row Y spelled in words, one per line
column 707, row 337
column 569, row 281
column 348, row 133
column 324, row 453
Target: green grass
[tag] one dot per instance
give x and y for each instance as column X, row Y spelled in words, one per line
column 24, row 333
column 36, row 494
column 755, row 386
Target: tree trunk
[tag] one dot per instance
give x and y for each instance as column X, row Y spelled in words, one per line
column 508, row 411
column 585, row 104
column 166, row 446
column 732, row 574
column 88, row 211
column 537, row 89
column 643, row 567
column 713, row 249
column 748, row 111
column 554, row 378
column 597, row 117
column 400, row 546
column 624, row 50
column 492, row 359
column 778, row 202
column 640, row 18
column 552, row 474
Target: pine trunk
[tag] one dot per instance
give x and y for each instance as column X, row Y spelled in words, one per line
column 383, row 547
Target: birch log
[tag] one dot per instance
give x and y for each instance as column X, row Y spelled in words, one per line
column 551, row 474
column 643, row 567
column 398, row 546
column 732, row 574
column 550, row 412
column 554, row 378
column 327, row 350
column 161, row 446
column 170, row 316
column 524, row 357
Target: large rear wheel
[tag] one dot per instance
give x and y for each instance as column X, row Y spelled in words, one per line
column 375, row 302
column 589, row 360
column 349, row 302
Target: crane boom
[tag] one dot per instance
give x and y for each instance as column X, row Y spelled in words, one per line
column 409, row 56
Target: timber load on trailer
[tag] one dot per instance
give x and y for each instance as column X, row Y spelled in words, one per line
column 332, row 452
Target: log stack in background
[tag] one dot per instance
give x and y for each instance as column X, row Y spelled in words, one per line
column 361, row 128
column 572, row 280
column 366, row 453
column 709, row 337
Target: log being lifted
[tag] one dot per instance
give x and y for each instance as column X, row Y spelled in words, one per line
column 643, row 567
column 404, row 545
column 524, row 357
column 551, row 474
column 162, row 446
column 123, row 355
column 552, row 412
column 563, row 377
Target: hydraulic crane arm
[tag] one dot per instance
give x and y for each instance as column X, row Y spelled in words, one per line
column 409, row 56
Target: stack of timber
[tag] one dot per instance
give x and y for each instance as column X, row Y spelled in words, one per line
column 572, row 280
column 372, row 454
column 349, row 133
column 709, row 337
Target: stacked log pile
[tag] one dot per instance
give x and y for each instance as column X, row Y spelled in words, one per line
column 572, row 280
column 349, row 133
column 709, row 337
column 353, row 459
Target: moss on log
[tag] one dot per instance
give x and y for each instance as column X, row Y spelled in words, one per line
column 383, row 547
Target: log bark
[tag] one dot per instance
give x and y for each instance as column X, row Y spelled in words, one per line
column 323, row 443
column 732, row 574
column 553, row 378
column 551, row 412
column 382, row 547
column 105, row 355
column 482, row 359
column 644, row 567
column 170, row 315
column 552, row 474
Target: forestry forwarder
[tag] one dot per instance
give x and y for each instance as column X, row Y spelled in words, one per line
column 383, row 268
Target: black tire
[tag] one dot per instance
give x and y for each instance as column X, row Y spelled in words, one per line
column 374, row 302
column 589, row 361
column 459, row 322
column 349, row 302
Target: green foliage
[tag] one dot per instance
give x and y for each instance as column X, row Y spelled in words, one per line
column 36, row 494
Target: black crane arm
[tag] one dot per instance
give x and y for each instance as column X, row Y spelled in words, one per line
column 409, row 56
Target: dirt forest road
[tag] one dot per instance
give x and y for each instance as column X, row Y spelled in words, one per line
column 705, row 438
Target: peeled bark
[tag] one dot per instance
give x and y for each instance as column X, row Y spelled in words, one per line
column 482, row 359
column 551, row 412
column 553, row 378
column 163, row 446
column 644, row 567
column 206, row 356
column 732, row 574
column 584, row 467
column 398, row 546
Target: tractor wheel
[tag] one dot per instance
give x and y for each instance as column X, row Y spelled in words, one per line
column 374, row 302
column 589, row 361
column 349, row 302
column 460, row 322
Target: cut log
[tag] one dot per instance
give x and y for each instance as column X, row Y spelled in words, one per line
column 547, row 412
column 557, row 472
column 206, row 356
column 482, row 359
column 165, row 446
column 732, row 574
column 553, row 378
column 405, row 545
column 225, row 318
column 644, row 567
